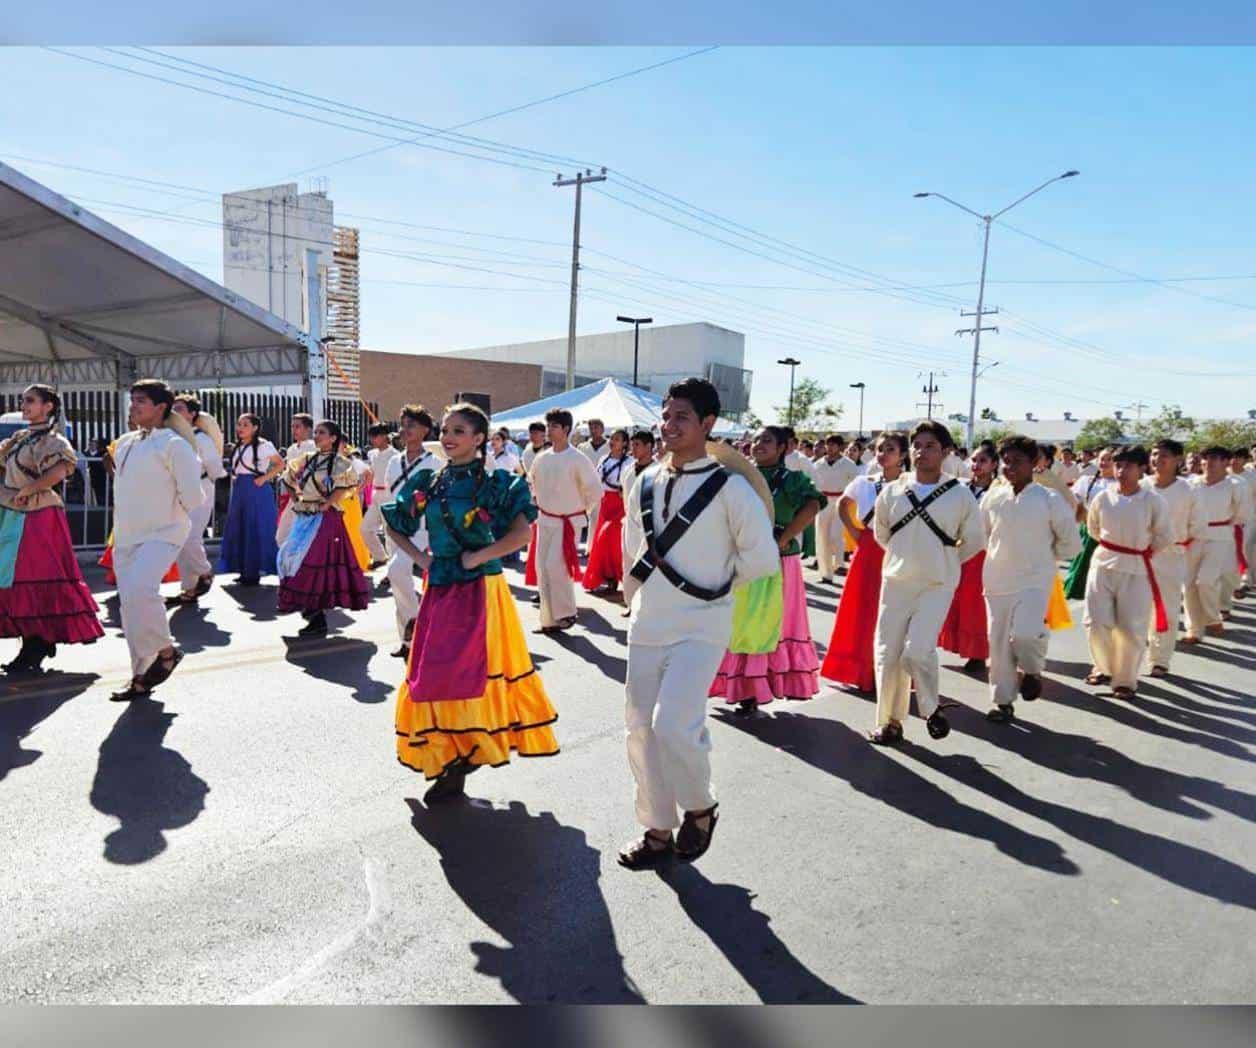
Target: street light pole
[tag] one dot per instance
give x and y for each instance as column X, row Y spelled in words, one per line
column 792, row 363
column 981, row 286
column 636, row 323
column 860, row 386
column 582, row 178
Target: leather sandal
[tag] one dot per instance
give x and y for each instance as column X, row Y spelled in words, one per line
column 647, row 852
column 1123, row 693
column 889, row 735
column 1095, row 678
column 131, row 692
column 160, row 669
column 1000, row 714
column 693, row 841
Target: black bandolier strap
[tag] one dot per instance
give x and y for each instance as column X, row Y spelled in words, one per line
column 918, row 510
column 877, row 485
column 656, row 551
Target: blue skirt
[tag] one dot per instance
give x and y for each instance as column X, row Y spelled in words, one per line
column 248, row 541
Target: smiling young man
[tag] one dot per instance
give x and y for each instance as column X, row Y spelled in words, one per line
column 567, row 489
column 703, row 531
column 928, row 525
column 1131, row 525
column 1029, row 527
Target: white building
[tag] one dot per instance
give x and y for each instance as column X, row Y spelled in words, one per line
column 266, row 233
column 668, row 353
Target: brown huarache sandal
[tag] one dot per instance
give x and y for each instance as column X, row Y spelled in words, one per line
column 1123, row 693
column 160, row 669
column 134, row 690
column 1000, row 714
column 890, row 735
column 693, row 841
column 1095, row 678
column 647, row 852
column 1159, row 671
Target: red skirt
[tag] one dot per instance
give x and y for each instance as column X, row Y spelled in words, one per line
column 106, row 562
column 606, row 554
column 965, row 630
column 329, row 576
column 849, row 658
column 48, row 598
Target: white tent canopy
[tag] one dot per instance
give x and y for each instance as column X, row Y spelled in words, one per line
column 84, row 304
column 617, row 404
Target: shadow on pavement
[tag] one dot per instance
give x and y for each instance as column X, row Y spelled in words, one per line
column 597, row 624
column 1181, row 864
column 726, row 914
column 834, row 748
column 21, row 710
column 345, row 661
column 1082, row 757
column 261, row 601
column 585, row 650
column 147, row 786
column 193, row 630
column 535, row 882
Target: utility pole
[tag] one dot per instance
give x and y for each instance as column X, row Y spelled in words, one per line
column 1138, row 410
column 929, row 390
column 582, row 177
column 791, row 363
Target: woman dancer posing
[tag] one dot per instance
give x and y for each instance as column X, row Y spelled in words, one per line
column 965, row 630
column 849, row 657
column 790, row 669
column 466, row 704
column 318, row 566
column 43, row 598
column 248, row 540
column 605, row 568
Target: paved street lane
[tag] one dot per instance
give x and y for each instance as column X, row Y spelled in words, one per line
column 249, row 837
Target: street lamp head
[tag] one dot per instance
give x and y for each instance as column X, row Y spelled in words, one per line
column 919, row 195
column 625, row 320
column 857, row 385
column 1070, row 174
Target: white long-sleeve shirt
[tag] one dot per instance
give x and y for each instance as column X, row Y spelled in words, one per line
column 799, row 462
column 1026, row 535
column 1246, row 483
column 1088, row 485
column 832, row 478
column 731, row 539
column 400, row 468
column 564, row 483
column 1139, row 521
column 594, row 454
column 379, row 459
column 956, row 466
column 529, row 456
column 157, row 481
column 1186, row 516
column 915, row 553
column 1222, row 503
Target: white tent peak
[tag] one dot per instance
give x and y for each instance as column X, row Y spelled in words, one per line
column 619, row 405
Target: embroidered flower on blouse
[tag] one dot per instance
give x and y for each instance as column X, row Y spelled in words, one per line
column 476, row 513
column 420, row 500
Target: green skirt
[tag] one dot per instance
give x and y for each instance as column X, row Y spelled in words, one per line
column 1075, row 580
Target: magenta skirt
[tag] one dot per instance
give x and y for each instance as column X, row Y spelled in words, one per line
column 48, row 598
column 792, row 670
column 329, row 576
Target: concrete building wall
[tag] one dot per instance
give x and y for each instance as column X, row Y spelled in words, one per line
column 265, row 234
column 394, row 379
column 668, row 353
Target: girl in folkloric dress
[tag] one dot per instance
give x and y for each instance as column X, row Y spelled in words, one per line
column 248, row 540
column 43, row 598
column 965, row 631
column 471, row 695
column 605, row 568
column 318, row 564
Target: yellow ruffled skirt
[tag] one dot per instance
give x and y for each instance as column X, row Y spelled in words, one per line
column 513, row 714
column 1058, row 617
column 352, row 506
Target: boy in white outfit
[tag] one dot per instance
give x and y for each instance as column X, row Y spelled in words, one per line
column 1029, row 528
column 416, row 425
column 704, row 530
column 1174, row 564
column 928, row 524
column 833, row 474
column 1131, row 524
column 1222, row 505
column 378, row 457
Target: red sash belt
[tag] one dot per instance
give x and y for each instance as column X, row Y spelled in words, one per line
column 570, row 554
column 1162, row 620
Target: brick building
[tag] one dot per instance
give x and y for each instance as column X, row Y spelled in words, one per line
column 393, row 379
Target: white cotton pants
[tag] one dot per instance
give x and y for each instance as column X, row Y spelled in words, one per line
column 558, row 592
column 405, row 593
column 139, row 570
column 1205, row 578
column 191, row 559
column 1171, row 577
column 830, row 545
column 905, row 648
column 669, row 745
column 1118, row 616
column 1018, row 639
column 372, row 525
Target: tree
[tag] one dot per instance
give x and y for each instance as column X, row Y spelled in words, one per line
column 1228, row 433
column 959, row 434
column 1098, row 433
column 995, row 434
column 1169, row 424
column 812, row 412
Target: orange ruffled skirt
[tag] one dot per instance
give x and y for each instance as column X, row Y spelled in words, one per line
column 513, row 715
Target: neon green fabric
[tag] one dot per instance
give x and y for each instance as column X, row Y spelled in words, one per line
column 758, row 609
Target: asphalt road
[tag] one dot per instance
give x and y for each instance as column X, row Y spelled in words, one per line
column 249, row 837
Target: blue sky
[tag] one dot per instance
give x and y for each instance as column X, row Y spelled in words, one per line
column 821, row 148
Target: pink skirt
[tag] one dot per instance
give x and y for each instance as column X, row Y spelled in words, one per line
column 329, row 576
column 792, row 670
column 48, row 598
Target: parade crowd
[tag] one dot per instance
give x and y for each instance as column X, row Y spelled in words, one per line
column 703, row 541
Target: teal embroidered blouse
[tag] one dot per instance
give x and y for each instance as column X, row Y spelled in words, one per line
column 462, row 507
column 791, row 490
